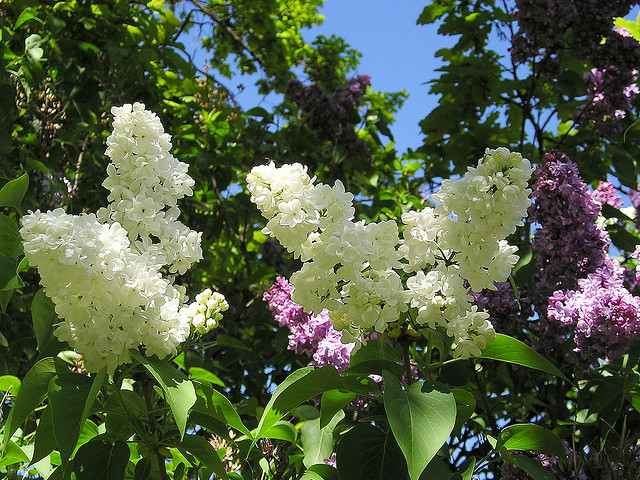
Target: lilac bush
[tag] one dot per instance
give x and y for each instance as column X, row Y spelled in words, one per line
column 580, row 290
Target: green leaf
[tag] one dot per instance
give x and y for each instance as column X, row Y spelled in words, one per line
column 10, row 383
column 257, row 112
column 532, row 467
column 374, row 357
column 508, row 349
column 32, row 392
column 71, row 396
column 4, row 302
column 609, row 211
column 44, row 316
column 9, row 278
column 13, row 454
column 530, row 437
column 25, row 16
column 321, row 471
column 45, row 442
column 205, row 453
column 227, row 341
column 465, row 405
column 332, row 402
column 13, row 192
column 300, row 386
column 436, row 470
column 122, row 409
column 215, row 404
column 178, row 389
column 421, row 420
column 88, row 432
column 317, row 442
column 282, row 430
column 366, row 452
column 432, row 12
column 180, row 471
column 465, row 472
column 197, row 373
column 622, row 238
column 10, row 242
column 143, row 469
column 101, row 460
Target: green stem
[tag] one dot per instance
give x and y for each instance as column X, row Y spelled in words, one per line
column 162, row 468
column 407, row 362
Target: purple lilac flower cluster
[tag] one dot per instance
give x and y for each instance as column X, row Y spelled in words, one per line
column 508, row 314
column 543, row 27
column 311, row 334
column 634, row 199
column 607, row 194
column 612, row 83
column 332, row 117
column 543, row 24
column 604, row 316
column 609, row 94
column 569, row 245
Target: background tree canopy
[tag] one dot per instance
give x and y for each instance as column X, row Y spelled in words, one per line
column 567, row 85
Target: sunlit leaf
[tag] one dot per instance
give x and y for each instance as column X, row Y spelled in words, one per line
column 508, row 349
column 178, row 389
column 200, row 448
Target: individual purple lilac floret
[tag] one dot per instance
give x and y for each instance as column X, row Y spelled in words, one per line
column 604, row 316
column 311, row 334
column 569, row 245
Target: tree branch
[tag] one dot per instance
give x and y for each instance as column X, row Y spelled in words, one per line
column 234, row 36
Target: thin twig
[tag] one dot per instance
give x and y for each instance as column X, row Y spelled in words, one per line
column 79, row 162
column 210, row 13
column 407, row 362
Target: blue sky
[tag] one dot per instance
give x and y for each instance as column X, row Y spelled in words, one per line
column 396, row 53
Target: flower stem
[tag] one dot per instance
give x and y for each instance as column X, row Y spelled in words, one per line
column 407, row 362
column 162, row 468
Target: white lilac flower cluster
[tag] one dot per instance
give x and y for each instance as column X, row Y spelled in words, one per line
column 146, row 182
column 103, row 272
column 368, row 277
column 206, row 311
